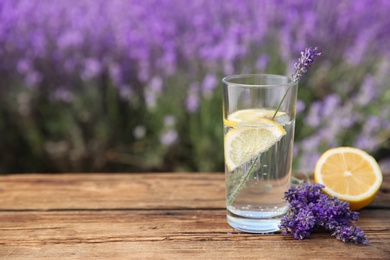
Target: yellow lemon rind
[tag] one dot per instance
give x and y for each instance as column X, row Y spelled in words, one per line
column 235, row 118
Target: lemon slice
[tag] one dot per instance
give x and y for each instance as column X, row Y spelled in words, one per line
column 251, row 115
column 349, row 174
column 244, row 143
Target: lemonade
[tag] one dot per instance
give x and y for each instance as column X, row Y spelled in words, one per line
column 258, row 155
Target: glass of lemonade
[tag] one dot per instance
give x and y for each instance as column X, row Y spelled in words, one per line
column 259, row 120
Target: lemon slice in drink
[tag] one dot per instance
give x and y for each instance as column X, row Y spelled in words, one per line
column 244, row 143
column 252, row 115
column 350, row 174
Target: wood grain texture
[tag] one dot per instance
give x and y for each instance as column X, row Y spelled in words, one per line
column 181, row 233
column 111, row 191
column 159, row 216
column 124, row 191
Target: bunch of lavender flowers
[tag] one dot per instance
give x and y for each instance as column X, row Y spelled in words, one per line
column 310, row 209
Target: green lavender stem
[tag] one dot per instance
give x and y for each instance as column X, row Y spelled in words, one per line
column 242, row 182
column 280, row 104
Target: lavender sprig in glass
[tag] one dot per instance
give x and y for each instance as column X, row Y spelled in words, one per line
column 302, row 66
column 304, row 62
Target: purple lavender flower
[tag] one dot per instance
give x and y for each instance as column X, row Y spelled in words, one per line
column 156, row 84
column 301, row 225
column 169, row 137
column 33, row 78
column 368, row 91
column 63, row 94
column 310, row 209
column 314, row 116
column 210, row 82
column 300, row 106
column 262, row 62
column 92, row 68
column 350, row 234
column 304, row 62
column 330, row 105
column 193, row 99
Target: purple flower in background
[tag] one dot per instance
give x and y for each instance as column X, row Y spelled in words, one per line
column 151, row 99
column 169, row 137
column 33, row 78
column 24, row 66
column 125, row 91
column 115, row 73
column 311, row 142
column 169, row 134
column 368, row 91
column 193, row 99
column 262, row 62
column 365, row 142
column 373, row 124
column 156, row 84
column 356, row 52
column 140, row 48
column 314, row 117
column 300, row 106
column 330, row 105
column 210, row 82
column 304, row 62
column 369, row 138
column 70, row 39
column 92, row 68
column 70, row 65
column 63, row 94
column 153, row 91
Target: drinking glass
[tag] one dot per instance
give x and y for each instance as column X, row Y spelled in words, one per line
column 259, row 119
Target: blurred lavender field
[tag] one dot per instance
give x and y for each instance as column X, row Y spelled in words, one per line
column 134, row 85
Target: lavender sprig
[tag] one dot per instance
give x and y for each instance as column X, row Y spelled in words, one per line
column 302, row 66
column 304, row 62
column 310, row 209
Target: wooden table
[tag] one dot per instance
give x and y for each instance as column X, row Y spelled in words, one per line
column 159, row 216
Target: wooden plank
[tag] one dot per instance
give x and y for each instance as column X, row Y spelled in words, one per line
column 111, row 191
column 124, row 191
column 163, row 234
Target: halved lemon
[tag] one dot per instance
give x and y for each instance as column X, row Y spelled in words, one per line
column 349, row 174
column 244, row 143
column 251, row 115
